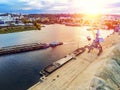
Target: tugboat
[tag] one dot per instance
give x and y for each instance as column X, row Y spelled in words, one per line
column 54, row 44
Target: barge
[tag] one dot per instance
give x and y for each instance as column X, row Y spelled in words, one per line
column 25, row 47
column 59, row 63
column 73, row 24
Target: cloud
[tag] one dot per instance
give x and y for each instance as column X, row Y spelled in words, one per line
column 114, row 5
column 58, row 6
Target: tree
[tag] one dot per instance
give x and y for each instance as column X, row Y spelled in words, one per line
column 37, row 25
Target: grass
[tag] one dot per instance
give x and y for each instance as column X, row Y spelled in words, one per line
column 13, row 29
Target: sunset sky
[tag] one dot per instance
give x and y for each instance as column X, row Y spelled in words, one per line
column 60, row 6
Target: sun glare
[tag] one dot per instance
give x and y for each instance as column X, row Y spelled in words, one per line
column 90, row 7
column 92, row 11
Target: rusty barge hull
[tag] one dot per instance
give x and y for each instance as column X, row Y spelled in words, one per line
column 22, row 48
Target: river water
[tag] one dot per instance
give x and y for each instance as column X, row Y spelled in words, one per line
column 21, row 71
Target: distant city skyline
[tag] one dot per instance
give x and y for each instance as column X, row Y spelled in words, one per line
column 60, row 6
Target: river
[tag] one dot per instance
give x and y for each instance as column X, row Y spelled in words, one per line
column 21, row 71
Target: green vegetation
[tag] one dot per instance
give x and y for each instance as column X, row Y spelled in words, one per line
column 37, row 25
column 12, row 29
column 34, row 22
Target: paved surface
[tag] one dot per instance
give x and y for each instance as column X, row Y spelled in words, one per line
column 77, row 74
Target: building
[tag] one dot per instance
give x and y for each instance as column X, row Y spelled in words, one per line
column 8, row 19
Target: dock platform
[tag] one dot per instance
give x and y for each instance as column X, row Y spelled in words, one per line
column 78, row 74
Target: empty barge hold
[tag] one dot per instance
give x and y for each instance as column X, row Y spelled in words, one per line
column 57, row 64
column 26, row 47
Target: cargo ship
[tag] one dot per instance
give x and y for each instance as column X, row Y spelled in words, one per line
column 59, row 63
column 26, row 47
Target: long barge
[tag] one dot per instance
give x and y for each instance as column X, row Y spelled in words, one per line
column 26, row 47
column 59, row 63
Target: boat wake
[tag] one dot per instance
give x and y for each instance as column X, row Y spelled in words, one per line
column 69, row 42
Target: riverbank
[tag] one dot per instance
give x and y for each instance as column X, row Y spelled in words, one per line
column 12, row 29
column 79, row 73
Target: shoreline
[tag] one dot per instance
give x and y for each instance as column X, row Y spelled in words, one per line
column 13, row 29
column 74, row 75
